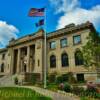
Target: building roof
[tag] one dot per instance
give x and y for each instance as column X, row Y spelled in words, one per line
column 3, row 50
column 27, row 38
column 66, row 30
column 71, row 28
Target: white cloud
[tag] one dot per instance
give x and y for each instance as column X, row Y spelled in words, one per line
column 80, row 16
column 7, row 32
column 73, row 13
column 64, row 5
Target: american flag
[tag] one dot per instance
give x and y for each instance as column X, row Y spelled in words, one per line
column 41, row 22
column 34, row 12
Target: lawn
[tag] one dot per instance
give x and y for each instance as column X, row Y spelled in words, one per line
column 87, row 98
column 53, row 87
column 17, row 93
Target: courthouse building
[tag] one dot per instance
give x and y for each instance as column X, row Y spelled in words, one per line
column 25, row 56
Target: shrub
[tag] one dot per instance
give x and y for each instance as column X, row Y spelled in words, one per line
column 16, row 80
column 67, row 87
column 51, row 78
column 71, row 78
column 59, row 79
column 65, row 77
column 78, row 90
column 91, row 87
column 33, row 79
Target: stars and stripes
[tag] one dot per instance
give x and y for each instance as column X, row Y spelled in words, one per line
column 40, row 23
column 34, row 12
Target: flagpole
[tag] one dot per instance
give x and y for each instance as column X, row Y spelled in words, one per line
column 45, row 52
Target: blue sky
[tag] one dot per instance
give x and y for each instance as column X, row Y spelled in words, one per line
column 15, row 22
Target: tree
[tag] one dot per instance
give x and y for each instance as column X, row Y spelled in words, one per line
column 91, row 51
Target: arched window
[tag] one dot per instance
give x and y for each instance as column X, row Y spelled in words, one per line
column 64, row 60
column 78, row 58
column 2, row 67
column 52, row 61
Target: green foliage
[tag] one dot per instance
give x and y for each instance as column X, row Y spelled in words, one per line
column 51, row 78
column 84, row 98
column 17, row 93
column 67, row 87
column 91, row 51
column 33, row 80
column 92, row 94
column 78, row 90
column 59, row 79
column 62, row 78
column 52, row 86
column 91, row 87
column 89, row 92
column 79, row 54
column 16, row 80
column 71, row 78
column 66, row 78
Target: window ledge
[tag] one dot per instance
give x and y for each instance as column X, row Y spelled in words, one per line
column 79, row 65
column 77, row 44
column 65, row 66
column 52, row 49
column 53, row 68
column 64, row 47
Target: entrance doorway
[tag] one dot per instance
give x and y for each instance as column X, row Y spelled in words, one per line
column 15, row 61
column 2, row 67
column 24, row 67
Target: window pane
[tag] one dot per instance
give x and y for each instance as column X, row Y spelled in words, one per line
column 52, row 61
column 53, row 45
column 63, row 42
column 64, row 60
column 77, row 39
column 78, row 58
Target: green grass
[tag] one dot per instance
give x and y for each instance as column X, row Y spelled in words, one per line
column 87, row 98
column 17, row 93
column 52, row 86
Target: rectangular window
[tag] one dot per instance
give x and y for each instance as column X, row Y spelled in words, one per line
column 52, row 45
column 63, row 42
column 80, row 77
column 77, row 39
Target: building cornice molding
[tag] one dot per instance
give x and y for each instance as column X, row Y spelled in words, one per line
column 61, row 32
column 65, row 31
column 25, row 41
column 3, row 50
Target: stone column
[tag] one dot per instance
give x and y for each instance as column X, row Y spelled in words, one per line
column 11, row 60
column 19, row 61
column 28, row 59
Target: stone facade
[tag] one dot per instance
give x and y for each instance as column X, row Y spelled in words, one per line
column 26, row 55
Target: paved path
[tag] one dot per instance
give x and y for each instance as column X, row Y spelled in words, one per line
column 53, row 95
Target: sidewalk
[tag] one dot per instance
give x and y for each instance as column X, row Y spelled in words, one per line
column 53, row 95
